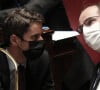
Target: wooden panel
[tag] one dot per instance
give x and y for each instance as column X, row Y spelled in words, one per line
column 62, row 53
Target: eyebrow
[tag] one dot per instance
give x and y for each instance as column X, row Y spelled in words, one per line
column 35, row 35
column 90, row 18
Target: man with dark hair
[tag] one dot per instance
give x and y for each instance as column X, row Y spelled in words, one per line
column 90, row 28
column 24, row 46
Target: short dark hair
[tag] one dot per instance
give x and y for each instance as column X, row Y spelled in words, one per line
column 18, row 21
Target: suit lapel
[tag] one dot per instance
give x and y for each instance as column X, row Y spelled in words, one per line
column 4, row 71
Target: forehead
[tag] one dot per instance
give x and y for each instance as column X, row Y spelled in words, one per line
column 88, row 12
column 34, row 29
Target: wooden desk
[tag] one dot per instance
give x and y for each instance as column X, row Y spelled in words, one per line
column 62, row 53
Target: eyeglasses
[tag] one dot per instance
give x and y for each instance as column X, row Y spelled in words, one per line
column 88, row 22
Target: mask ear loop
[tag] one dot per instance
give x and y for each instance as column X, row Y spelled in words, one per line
column 15, row 64
column 80, row 29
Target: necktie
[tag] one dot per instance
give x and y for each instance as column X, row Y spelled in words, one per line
column 21, row 77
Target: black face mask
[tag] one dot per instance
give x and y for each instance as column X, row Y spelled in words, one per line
column 35, row 50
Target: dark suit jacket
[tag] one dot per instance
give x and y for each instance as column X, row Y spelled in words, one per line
column 38, row 76
column 96, row 78
column 81, row 71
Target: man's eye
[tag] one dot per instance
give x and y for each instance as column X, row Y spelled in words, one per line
column 89, row 21
column 35, row 37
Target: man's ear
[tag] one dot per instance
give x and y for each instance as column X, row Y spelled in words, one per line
column 14, row 40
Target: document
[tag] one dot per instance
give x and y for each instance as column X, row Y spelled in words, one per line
column 59, row 35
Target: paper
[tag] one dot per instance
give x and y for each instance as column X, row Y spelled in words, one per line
column 58, row 35
column 98, row 87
